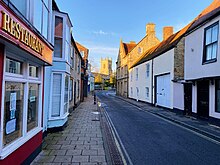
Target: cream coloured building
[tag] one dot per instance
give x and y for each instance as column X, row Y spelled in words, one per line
column 130, row 52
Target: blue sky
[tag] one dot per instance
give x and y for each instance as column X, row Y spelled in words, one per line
column 100, row 24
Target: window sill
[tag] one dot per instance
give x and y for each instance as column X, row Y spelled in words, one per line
column 18, row 143
column 209, row 61
column 60, row 117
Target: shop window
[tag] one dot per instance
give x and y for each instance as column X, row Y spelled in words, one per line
column 13, row 66
column 58, row 37
column 33, row 71
column 13, row 111
column 33, row 103
column 56, row 96
column 211, row 43
column 66, row 94
column 217, row 95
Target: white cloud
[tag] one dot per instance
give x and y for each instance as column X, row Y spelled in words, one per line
column 103, row 50
column 101, row 32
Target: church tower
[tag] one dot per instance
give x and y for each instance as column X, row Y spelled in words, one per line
column 106, row 66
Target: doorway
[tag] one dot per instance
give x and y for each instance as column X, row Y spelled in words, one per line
column 203, row 98
column 188, row 99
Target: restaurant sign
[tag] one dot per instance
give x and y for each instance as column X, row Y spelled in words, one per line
column 18, row 31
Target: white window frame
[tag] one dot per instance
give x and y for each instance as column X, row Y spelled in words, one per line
column 65, row 58
column 147, row 92
column 62, row 114
column 136, row 74
column 147, row 70
column 26, row 79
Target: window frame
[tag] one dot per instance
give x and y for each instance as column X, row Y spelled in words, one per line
column 204, row 61
column 147, row 70
column 26, row 80
column 136, row 69
column 62, row 114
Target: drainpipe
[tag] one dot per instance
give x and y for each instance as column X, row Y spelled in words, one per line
column 152, row 85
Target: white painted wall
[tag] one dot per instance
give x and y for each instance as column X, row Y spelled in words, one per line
column 178, row 96
column 164, row 64
column 142, row 82
column 194, row 55
column 212, row 112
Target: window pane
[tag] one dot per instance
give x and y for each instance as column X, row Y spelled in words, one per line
column 13, row 66
column 58, row 47
column 209, row 52
column 21, row 5
column 214, row 50
column 33, row 102
column 58, row 26
column 13, row 111
column 208, row 36
column 38, row 10
column 56, row 98
column 45, row 21
column 33, row 71
column 215, row 33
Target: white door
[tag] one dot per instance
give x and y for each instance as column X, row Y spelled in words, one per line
column 163, row 91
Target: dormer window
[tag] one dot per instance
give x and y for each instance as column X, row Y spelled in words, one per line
column 211, row 43
column 140, row 50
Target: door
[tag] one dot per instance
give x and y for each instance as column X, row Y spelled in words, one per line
column 203, row 98
column 188, row 99
column 163, row 87
column 74, row 93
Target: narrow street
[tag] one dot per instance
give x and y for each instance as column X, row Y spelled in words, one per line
column 149, row 139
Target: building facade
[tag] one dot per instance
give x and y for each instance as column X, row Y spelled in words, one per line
column 57, row 77
column 202, row 55
column 25, row 50
column 129, row 55
column 75, row 77
column 157, row 76
column 84, row 66
column 122, row 65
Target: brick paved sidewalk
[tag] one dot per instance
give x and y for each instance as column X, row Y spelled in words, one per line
column 81, row 142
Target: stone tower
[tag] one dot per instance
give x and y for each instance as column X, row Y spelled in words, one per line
column 106, row 66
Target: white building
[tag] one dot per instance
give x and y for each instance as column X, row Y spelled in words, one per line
column 202, row 63
column 156, row 77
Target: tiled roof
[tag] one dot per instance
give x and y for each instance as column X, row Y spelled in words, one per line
column 170, row 42
column 128, row 47
column 211, row 11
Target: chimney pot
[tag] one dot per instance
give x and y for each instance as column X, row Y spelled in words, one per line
column 167, row 32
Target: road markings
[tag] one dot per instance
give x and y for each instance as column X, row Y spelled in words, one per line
column 118, row 140
column 171, row 122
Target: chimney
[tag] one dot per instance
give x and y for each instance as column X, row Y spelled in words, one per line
column 132, row 42
column 167, row 32
column 150, row 29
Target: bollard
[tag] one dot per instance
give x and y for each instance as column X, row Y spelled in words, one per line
column 94, row 99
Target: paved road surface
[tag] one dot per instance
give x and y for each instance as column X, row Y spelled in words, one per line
column 149, row 139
